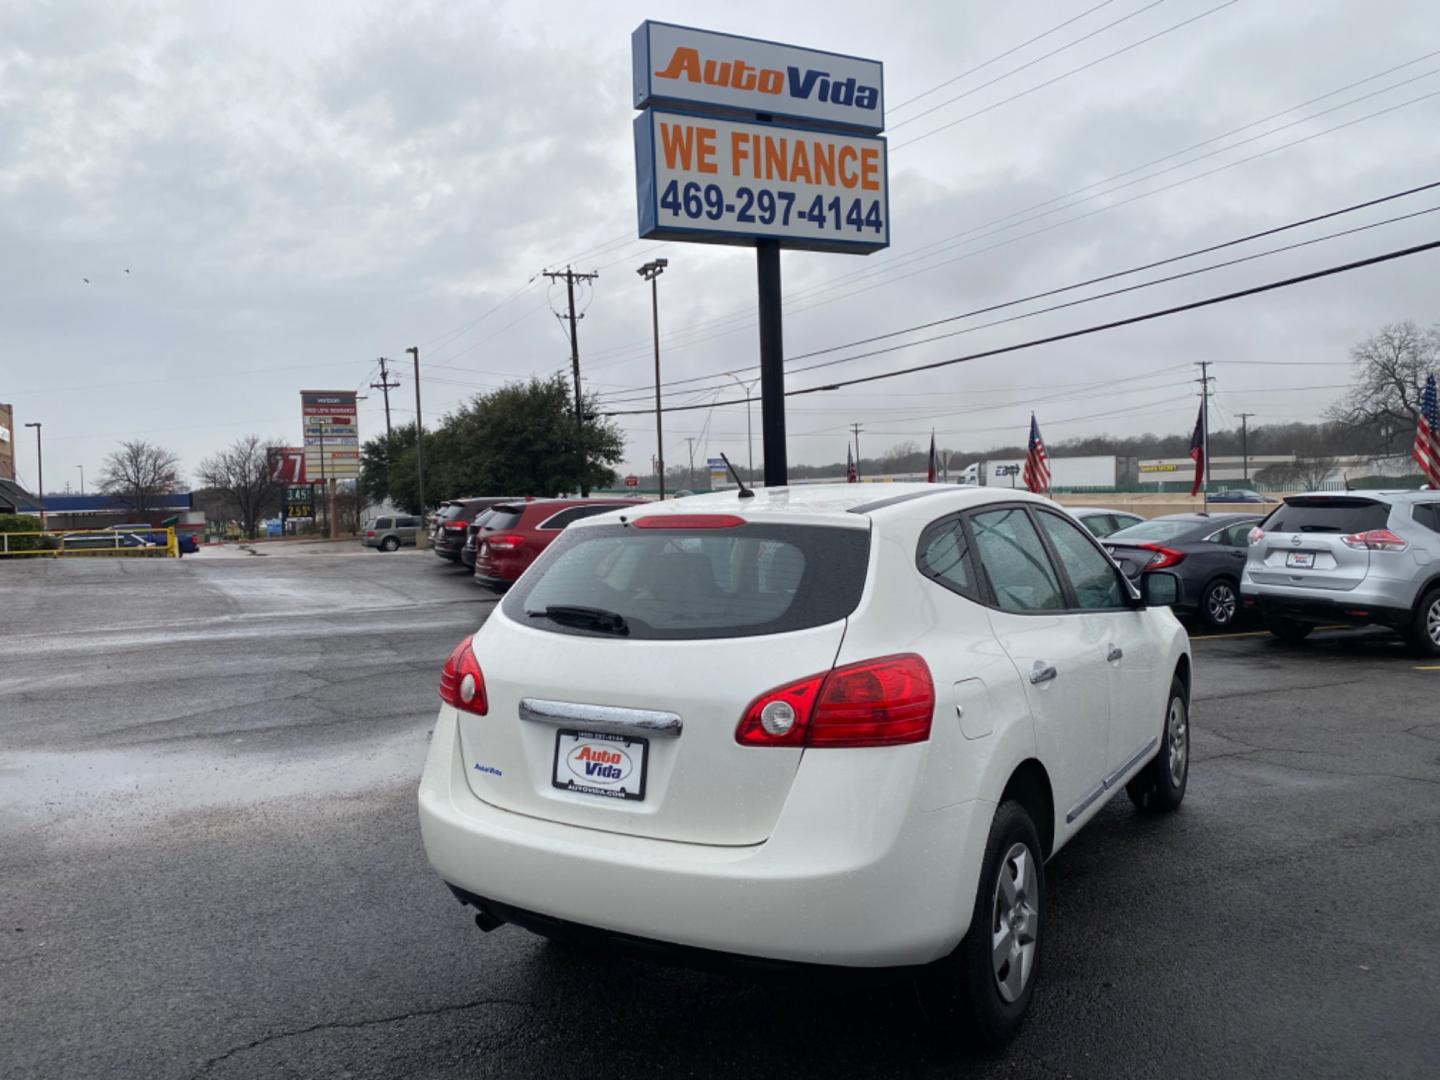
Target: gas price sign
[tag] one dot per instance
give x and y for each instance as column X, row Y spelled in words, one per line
column 730, row 182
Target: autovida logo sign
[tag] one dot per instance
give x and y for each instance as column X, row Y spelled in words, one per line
column 743, row 77
column 743, row 140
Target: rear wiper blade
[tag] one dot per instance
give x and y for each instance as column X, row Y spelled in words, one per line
column 609, row 622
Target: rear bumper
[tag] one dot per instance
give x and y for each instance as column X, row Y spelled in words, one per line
column 496, row 584
column 896, row 894
column 1375, row 600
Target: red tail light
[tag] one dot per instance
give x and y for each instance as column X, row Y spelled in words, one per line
column 369, row 534
column 506, row 542
column 883, row 702
column 1375, row 540
column 457, row 525
column 689, row 521
column 461, row 682
column 1164, row 557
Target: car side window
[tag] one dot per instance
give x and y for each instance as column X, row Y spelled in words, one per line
column 409, row 523
column 1428, row 514
column 1016, row 561
column 944, row 557
column 383, row 523
column 1093, row 577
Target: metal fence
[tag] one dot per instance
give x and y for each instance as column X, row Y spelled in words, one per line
column 71, row 543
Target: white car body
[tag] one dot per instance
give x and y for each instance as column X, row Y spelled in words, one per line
column 861, row 857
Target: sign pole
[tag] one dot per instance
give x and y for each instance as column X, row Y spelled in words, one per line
column 330, row 510
column 772, row 363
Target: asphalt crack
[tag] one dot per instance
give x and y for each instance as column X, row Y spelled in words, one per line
column 353, row 1025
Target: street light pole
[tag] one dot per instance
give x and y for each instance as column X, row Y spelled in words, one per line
column 749, row 439
column 650, row 271
column 82, row 478
column 39, row 472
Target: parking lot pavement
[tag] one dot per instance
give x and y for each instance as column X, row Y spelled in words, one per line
column 210, row 866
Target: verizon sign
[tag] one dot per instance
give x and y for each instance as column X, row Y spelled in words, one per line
column 725, row 74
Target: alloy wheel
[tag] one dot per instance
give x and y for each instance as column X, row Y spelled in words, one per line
column 1220, row 604
column 1432, row 622
column 1177, row 730
column 1015, row 923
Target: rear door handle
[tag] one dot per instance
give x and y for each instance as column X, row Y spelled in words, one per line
column 1042, row 672
column 1114, row 653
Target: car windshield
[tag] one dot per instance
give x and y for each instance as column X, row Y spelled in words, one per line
column 690, row 584
column 1149, row 532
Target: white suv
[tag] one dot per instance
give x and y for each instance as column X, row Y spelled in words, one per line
column 831, row 725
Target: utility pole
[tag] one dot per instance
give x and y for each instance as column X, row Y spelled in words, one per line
column 1205, row 380
column 650, row 271
column 691, row 440
column 385, row 386
column 1245, row 444
column 570, row 277
column 39, row 472
column 749, row 439
column 414, row 350
column 82, row 478
column 857, row 429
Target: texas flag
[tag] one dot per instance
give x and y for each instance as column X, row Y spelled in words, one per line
column 851, row 476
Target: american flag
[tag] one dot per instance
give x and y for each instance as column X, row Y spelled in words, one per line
column 1197, row 451
column 1427, row 435
column 1037, row 465
column 851, row 475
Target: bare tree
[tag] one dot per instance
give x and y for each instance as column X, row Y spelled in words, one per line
column 1391, row 367
column 242, row 473
column 139, row 472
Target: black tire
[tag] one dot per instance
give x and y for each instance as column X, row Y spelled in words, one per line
column 1424, row 631
column 390, row 543
column 1291, row 633
column 1220, row 604
column 964, row 990
column 1160, row 787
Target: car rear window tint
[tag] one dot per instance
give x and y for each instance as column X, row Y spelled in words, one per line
column 1428, row 514
column 1339, row 515
column 502, row 517
column 676, row 584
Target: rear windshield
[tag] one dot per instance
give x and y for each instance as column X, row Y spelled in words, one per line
column 500, row 518
column 1149, row 532
column 1327, row 516
column 680, row 584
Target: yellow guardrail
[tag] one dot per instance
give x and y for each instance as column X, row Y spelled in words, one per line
column 126, row 543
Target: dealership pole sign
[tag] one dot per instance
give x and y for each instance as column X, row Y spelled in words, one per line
column 754, row 143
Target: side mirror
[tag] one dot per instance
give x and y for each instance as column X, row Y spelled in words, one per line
column 1159, row 590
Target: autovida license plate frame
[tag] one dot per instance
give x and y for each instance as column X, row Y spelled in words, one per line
column 625, row 754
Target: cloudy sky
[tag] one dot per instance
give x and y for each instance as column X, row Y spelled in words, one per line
column 297, row 189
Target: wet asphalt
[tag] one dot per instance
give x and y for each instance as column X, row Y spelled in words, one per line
column 210, row 866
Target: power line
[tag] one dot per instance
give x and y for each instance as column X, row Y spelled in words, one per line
column 996, row 59
column 1028, row 64
column 1102, row 278
column 1065, row 74
column 1194, row 305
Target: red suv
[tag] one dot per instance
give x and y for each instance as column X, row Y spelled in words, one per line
column 513, row 533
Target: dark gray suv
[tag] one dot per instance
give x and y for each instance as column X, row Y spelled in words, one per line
column 1352, row 557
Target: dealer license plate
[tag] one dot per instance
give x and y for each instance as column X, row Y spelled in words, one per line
column 1300, row 560
column 596, row 763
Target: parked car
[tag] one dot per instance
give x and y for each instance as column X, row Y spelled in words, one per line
column 821, row 726
column 1349, row 558
column 454, row 520
column 472, row 534
column 1103, row 522
column 1205, row 553
column 514, row 533
column 391, row 532
column 1237, row 495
